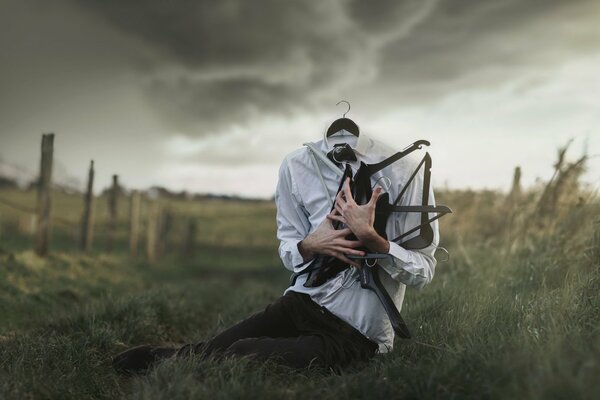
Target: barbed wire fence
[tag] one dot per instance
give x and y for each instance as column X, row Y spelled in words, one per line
column 155, row 224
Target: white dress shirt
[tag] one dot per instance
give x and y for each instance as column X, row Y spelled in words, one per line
column 302, row 205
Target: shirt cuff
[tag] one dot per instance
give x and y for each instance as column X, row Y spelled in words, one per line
column 400, row 257
column 291, row 257
column 297, row 259
column 400, row 253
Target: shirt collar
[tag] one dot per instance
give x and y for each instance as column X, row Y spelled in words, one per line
column 358, row 144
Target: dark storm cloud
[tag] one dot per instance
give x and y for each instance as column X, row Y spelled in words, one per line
column 382, row 16
column 223, row 34
column 470, row 44
column 228, row 61
column 209, row 105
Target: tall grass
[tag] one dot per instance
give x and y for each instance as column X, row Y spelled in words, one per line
column 514, row 313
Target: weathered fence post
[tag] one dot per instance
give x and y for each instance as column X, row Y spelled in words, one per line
column 87, row 218
column 515, row 191
column 134, row 222
column 190, row 238
column 511, row 208
column 165, row 221
column 596, row 244
column 152, row 219
column 44, row 195
column 113, row 195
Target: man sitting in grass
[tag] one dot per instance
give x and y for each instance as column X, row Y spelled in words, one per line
column 336, row 322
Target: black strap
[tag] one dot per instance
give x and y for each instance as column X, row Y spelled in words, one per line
column 369, row 279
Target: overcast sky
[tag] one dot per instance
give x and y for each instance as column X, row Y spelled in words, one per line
column 210, row 96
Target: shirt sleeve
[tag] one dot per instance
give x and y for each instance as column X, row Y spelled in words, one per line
column 412, row 267
column 292, row 223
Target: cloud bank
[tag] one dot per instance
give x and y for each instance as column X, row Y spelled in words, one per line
column 162, row 91
column 228, row 62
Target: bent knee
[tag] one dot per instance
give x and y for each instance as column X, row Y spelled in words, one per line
column 243, row 347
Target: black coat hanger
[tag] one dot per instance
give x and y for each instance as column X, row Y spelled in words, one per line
column 343, row 123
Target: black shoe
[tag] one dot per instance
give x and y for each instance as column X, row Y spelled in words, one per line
column 138, row 359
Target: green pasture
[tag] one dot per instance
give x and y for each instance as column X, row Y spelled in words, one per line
column 514, row 313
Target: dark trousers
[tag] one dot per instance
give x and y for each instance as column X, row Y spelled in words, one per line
column 295, row 331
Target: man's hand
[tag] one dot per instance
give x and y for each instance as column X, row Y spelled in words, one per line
column 329, row 241
column 359, row 219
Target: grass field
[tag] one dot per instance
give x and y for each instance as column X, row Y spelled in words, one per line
column 515, row 312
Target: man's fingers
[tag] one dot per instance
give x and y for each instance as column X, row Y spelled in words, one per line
column 338, row 208
column 339, row 199
column 375, row 195
column 347, row 250
column 345, row 259
column 347, row 192
column 343, row 232
column 350, row 243
column 335, row 217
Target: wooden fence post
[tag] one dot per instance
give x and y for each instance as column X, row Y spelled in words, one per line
column 190, row 238
column 165, row 222
column 134, row 222
column 87, row 218
column 44, row 195
column 515, row 191
column 596, row 244
column 113, row 195
column 152, row 219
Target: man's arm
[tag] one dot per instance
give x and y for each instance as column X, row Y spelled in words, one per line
column 359, row 219
column 297, row 247
column 292, row 224
column 328, row 241
column 411, row 267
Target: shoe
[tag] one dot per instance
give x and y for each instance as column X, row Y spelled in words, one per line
column 138, row 359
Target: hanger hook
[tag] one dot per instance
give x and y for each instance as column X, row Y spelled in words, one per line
column 348, row 110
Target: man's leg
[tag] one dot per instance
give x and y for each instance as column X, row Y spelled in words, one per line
column 296, row 352
column 273, row 321
column 296, row 332
column 293, row 329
